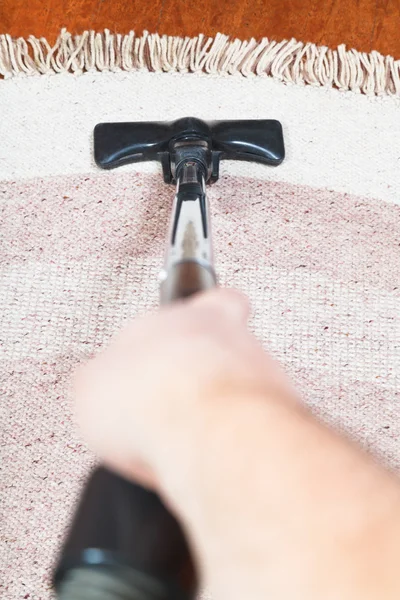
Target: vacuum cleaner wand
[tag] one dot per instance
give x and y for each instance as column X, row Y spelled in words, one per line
column 189, row 261
column 123, row 543
column 190, row 151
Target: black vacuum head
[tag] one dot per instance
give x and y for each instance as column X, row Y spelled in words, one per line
column 117, row 144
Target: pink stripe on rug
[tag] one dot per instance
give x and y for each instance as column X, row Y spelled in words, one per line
column 79, row 255
column 272, row 224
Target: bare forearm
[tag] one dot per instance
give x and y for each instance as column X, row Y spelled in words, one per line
column 280, row 506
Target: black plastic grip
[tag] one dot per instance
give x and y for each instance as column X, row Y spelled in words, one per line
column 120, row 524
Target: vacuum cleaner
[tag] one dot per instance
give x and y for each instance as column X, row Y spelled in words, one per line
column 123, row 543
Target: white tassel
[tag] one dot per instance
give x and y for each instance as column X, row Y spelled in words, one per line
column 289, row 61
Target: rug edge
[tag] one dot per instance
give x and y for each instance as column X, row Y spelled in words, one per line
column 289, row 61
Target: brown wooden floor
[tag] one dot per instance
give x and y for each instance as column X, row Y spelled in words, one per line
column 363, row 24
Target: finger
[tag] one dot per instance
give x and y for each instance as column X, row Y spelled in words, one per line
column 133, row 471
column 229, row 303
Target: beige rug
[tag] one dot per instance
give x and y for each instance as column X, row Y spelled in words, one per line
column 314, row 242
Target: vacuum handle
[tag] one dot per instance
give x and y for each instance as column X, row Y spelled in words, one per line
column 126, row 538
column 123, row 542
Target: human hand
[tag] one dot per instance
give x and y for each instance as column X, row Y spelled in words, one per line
column 147, row 396
column 275, row 504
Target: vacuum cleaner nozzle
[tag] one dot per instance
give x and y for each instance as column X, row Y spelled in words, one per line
column 190, row 151
column 116, row 144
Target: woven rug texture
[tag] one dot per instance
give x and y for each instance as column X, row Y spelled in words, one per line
column 314, row 243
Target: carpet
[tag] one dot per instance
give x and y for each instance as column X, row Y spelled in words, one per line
column 314, row 243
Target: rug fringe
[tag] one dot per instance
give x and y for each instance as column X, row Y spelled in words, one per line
column 288, row 60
